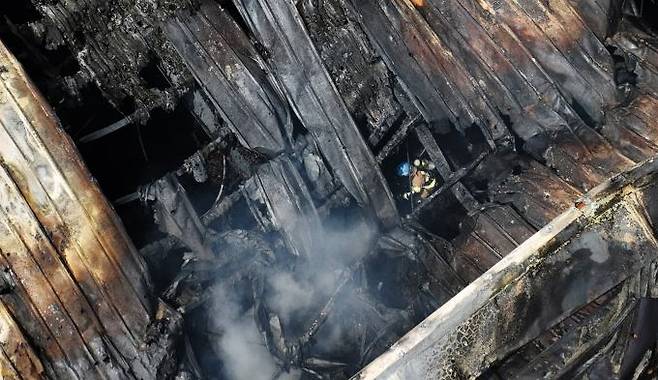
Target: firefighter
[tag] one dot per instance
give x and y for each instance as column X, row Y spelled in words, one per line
column 421, row 181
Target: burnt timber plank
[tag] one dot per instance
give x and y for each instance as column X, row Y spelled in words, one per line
column 494, row 233
column 532, row 115
column 279, row 187
column 510, row 224
column 508, row 42
column 84, row 300
column 53, row 202
column 232, row 75
column 627, row 141
column 538, row 60
column 34, row 327
column 362, row 79
column 299, row 71
column 562, row 356
column 557, row 54
column 517, row 84
column 437, row 83
column 536, row 194
column 574, row 40
column 17, row 358
column 64, row 308
column 595, row 15
column 499, row 79
column 445, row 281
column 634, row 129
column 229, row 71
column 482, row 245
column 177, row 217
column 510, row 60
column 47, row 285
column 562, row 144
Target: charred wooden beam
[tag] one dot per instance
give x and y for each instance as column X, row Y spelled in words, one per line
column 220, row 56
column 369, row 89
column 82, row 300
column 307, row 86
column 416, row 55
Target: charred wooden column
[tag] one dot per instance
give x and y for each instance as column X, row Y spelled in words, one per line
column 77, row 301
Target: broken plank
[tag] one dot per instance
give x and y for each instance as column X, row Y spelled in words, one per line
column 230, row 72
column 536, row 194
column 279, row 187
column 278, row 27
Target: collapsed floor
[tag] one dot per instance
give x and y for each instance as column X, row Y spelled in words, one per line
column 251, row 148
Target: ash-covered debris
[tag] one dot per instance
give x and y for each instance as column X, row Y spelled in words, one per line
column 359, row 74
column 308, row 180
column 323, row 304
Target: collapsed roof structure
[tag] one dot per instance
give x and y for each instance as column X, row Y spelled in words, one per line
column 251, row 147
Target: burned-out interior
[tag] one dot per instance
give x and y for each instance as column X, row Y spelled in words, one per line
column 306, row 181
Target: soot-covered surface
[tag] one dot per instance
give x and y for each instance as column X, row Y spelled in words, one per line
column 252, row 149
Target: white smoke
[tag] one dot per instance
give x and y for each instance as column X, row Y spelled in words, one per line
column 241, row 346
column 291, row 295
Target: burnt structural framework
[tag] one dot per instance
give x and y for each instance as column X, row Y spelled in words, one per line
column 257, row 226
